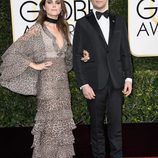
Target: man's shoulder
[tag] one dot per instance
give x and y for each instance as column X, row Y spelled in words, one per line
column 84, row 18
column 117, row 16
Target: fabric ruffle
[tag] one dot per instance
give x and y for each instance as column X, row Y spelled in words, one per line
column 53, row 137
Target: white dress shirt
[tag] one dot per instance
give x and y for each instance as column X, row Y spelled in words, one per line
column 104, row 24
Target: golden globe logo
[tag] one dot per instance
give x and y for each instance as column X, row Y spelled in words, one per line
column 143, row 27
column 25, row 13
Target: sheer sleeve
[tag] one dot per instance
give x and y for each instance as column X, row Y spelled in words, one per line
column 18, row 56
column 15, row 70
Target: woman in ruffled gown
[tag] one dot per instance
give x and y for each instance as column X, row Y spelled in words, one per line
column 37, row 64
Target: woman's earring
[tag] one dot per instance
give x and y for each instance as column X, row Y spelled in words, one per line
column 62, row 13
column 44, row 9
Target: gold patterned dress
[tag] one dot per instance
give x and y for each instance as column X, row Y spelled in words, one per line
column 54, row 123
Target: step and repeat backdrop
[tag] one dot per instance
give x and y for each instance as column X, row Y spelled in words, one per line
column 142, row 21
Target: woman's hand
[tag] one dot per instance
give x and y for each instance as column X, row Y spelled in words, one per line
column 41, row 66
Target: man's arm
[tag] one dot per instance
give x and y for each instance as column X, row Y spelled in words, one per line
column 125, row 52
column 77, row 54
column 126, row 60
column 77, row 63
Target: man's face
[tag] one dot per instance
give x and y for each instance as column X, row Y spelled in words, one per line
column 100, row 4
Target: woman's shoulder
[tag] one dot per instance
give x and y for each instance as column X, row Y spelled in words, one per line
column 33, row 31
column 36, row 27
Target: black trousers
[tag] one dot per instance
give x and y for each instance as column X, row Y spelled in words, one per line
column 108, row 102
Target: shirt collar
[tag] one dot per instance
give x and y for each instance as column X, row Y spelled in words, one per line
column 94, row 12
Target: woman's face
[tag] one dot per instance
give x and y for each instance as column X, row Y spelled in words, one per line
column 52, row 8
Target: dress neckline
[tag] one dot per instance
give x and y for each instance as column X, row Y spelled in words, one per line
column 49, row 34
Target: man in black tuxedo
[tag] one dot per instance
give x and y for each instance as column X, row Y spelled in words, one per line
column 103, row 68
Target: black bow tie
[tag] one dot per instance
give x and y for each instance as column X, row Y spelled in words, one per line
column 99, row 14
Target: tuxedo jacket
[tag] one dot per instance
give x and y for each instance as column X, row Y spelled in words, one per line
column 112, row 60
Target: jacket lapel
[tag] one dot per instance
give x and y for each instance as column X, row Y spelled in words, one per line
column 95, row 25
column 91, row 18
column 112, row 26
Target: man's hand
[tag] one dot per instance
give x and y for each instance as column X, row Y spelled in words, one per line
column 127, row 88
column 88, row 92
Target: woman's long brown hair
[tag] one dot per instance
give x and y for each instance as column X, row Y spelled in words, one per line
column 61, row 24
